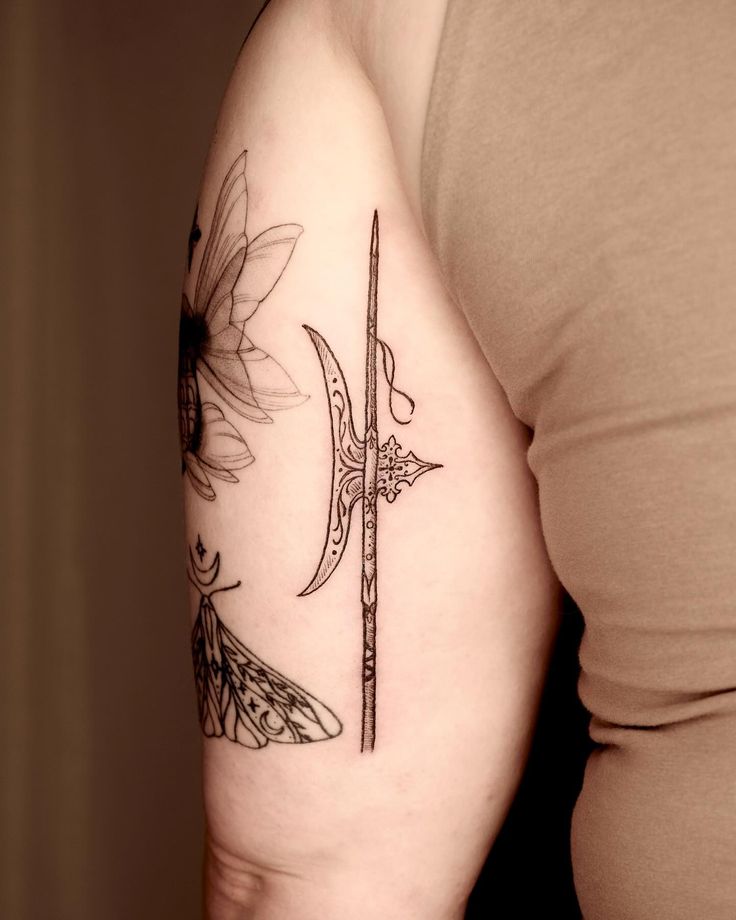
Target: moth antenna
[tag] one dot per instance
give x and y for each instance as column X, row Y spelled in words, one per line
column 227, row 588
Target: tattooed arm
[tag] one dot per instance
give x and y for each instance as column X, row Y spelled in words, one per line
column 373, row 605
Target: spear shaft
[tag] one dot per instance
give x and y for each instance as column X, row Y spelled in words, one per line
column 369, row 593
column 360, row 469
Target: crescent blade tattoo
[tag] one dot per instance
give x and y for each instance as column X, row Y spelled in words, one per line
column 240, row 697
column 235, row 276
column 348, row 460
column 361, row 471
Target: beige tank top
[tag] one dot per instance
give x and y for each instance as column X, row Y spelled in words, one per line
column 579, row 190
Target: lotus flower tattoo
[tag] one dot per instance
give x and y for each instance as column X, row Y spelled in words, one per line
column 235, row 276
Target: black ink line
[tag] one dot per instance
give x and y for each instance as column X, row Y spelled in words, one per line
column 361, row 471
column 255, row 23
column 239, row 696
column 389, row 370
column 235, row 276
column 369, row 579
column 195, row 235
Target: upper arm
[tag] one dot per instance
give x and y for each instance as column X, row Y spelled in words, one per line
column 464, row 597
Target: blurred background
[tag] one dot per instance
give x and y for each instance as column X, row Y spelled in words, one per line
column 107, row 112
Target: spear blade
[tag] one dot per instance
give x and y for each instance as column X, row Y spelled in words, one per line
column 348, row 461
column 362, row 470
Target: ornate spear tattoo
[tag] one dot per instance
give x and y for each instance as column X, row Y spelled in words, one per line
column 361, row 471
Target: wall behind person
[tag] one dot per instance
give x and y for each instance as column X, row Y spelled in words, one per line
column 107, row 113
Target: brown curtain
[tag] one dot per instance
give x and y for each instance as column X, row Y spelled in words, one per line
column 107, row 113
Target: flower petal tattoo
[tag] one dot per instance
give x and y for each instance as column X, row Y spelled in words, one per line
column 235, row 276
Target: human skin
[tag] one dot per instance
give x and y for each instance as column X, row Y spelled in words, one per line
column 330, row 107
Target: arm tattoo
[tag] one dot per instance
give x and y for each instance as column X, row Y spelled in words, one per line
column 361, row 471
column 239, row 696
column 195, row 235
column 235, row 276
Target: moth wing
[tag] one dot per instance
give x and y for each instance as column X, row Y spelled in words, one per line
column 272, row 706
column 218, row 709
column 244, row 699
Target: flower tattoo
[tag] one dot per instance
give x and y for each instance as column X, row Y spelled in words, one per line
column 235, row 276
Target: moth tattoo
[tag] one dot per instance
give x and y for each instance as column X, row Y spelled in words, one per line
column 235, row 276
column 239, row 696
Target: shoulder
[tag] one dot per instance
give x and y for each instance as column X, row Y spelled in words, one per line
column 350, row 46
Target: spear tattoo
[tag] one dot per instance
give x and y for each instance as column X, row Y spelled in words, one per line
column 361, row 471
